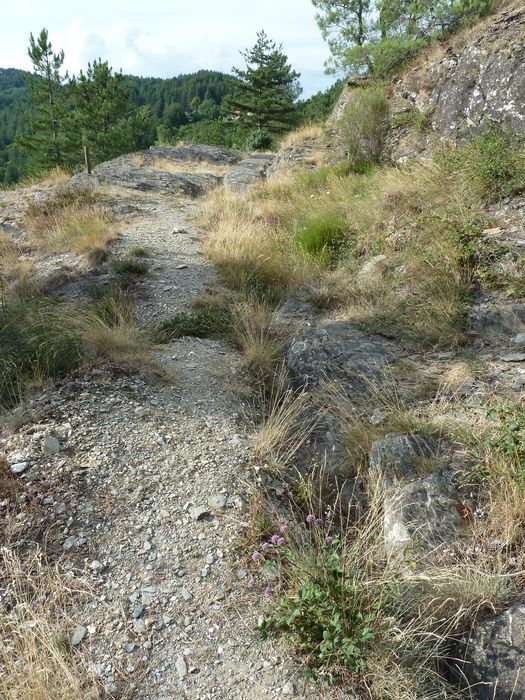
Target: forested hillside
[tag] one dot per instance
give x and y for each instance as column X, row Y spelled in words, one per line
column 184, row 107
column 13, row 99
column 174, row 103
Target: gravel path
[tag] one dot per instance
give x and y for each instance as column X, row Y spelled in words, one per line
column 148, row 496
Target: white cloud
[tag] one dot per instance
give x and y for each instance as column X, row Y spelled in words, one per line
column 163, row 39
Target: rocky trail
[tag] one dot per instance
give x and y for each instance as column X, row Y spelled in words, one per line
column 144, row 488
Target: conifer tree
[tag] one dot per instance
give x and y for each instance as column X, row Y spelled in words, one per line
column 266, row 90
column 107, row 123
column 47, row 139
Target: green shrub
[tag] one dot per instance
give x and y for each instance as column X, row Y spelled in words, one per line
column 350, row 616
column 139, row 252
column 35, row 345
column 322, row 237
column 258, row 140
column 364, row 125
column 494, row 163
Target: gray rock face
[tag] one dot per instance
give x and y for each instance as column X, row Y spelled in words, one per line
column 494, row 657
column 398, row 457
column 247, row 172
column 125, row 172
column 10, row 231
column 338, row 350
column 478, row 78
column 423, row 514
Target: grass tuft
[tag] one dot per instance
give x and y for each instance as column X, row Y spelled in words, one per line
column 70, row 220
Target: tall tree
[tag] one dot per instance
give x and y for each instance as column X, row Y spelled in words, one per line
column 266, row 90
column 47, row 138
column 376, row 36
column 107, row 122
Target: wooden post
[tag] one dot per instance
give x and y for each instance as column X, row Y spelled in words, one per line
column 87, row 160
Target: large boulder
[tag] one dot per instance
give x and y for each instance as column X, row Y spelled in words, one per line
column 188, row 151
column 493, row 657
column 119, row 172
column 337, row 351
column 424, row 514
column 475, row 78
column 398, row 457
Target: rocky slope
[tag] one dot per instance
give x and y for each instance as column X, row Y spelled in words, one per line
column 475, row 78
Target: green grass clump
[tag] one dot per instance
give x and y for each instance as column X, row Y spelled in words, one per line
column 320, row 177
column 130, row 266
column 213, row 321
column 495, row 164
column 35, row 345
column 321, row 236
column 139, row 252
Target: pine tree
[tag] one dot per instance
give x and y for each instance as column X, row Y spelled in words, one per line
column 266, row 90
column 47, row 137
column 107, row 123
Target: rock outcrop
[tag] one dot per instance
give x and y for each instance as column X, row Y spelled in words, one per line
column 494, row 657
column 338, row 350
column 248, row 171
column 476, row 78
column 473, row 79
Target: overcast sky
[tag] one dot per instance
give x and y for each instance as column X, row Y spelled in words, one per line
column 163, row 38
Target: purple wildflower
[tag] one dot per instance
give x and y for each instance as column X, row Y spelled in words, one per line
column 318, row 521
column 267, row 590
column 284, row 528
column 256, row 556
column 310, row 518
column 265, row 545
column 274, row 539
column 280, row 541
column 328, row 539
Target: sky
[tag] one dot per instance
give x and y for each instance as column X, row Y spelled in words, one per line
column 164, row 38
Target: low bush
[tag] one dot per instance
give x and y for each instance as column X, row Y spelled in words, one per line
column 210, row 321
column 352, row 617
column 130, row 266
column 364, row 125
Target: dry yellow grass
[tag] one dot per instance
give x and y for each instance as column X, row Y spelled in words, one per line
column 108, row 329
column 55, row 176
column 16, row 272
column 35, row 627
column 288, row 424
column 305, row 136
column 70, row 222
column 408, row 214
column 254, row 329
